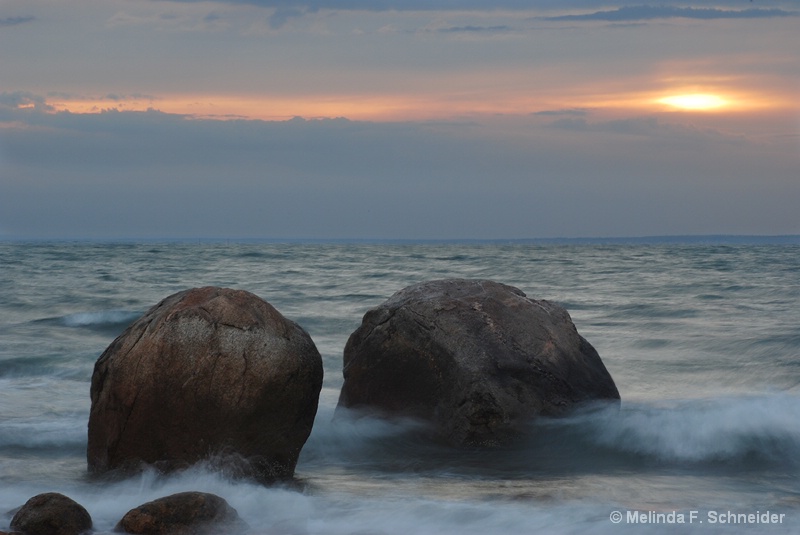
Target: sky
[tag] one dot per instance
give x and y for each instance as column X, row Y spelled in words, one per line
column 389, row 119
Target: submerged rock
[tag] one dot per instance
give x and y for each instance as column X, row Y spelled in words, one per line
column 206, row 373
column 477, row 358
column 51, row 514
column 185, row 513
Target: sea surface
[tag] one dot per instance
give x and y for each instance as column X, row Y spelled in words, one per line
column 702, row 340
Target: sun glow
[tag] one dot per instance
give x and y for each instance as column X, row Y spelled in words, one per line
column 696, row 101
column 604, row 103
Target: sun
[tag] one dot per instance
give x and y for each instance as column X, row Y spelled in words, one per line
column 695, row 101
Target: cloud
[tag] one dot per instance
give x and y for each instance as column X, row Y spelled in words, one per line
column 650, row 127
column 475, row 29
column 384, row 5
column 212, row 18
column 282, row 11
column 282, row 15
column 11, row 101
column 639, row 13
column 115, row 97
column 14, row 21
column 156, row 174
column 575, row 112
column 490, row 5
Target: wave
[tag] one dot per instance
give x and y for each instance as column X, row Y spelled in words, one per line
column 369, row 475
column 746, row 429
column 100, row 319
column 62, row 436
column 282, row 510
column 106, row 321
column 707, row 434
column 732, row 429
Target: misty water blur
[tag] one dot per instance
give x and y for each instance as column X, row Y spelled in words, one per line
column 702, row 340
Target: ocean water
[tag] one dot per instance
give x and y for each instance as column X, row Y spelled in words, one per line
column 702, row 339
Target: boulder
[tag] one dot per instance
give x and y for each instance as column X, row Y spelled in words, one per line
column 476, row 358
column 185, row 513
column 208, row 373
column 51, row 514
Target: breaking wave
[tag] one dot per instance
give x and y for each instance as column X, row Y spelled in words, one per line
column 724, row 429
column 103, row 319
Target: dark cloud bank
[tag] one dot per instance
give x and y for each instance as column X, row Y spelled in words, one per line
column 666, row 9
column 158, row 175
column 641, row 13
column 15, row 21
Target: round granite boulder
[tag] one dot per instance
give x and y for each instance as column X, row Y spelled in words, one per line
column 51, row 514
column 477, row 358
column 185, row 513
column 208, row 373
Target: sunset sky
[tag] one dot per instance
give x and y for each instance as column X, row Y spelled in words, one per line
column 387, row 119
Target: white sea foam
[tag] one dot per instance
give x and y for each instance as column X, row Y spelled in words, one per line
column 99, row 318
column 280, row 510
column 719, row 429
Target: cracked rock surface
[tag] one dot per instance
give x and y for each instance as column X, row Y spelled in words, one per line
column 206, row 374
column 476, row 358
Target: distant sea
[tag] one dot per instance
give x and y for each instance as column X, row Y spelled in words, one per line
column 701, row 335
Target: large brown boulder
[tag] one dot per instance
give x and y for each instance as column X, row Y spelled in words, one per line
column 185, row 513
column 477, row 358
column 51, row 514
column 206, row 373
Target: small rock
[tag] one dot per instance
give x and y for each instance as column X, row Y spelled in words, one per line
column 51, row 514
column 185, row 513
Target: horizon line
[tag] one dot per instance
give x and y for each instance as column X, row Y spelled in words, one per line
column 743, row 239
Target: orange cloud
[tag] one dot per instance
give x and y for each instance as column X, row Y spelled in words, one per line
column 432, row 106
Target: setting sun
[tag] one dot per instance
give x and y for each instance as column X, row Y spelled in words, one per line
column 697, row 101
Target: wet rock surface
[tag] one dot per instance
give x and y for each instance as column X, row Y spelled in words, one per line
column 51, row 513
column 185, row 513
column 206, row 373
column 476, row 358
